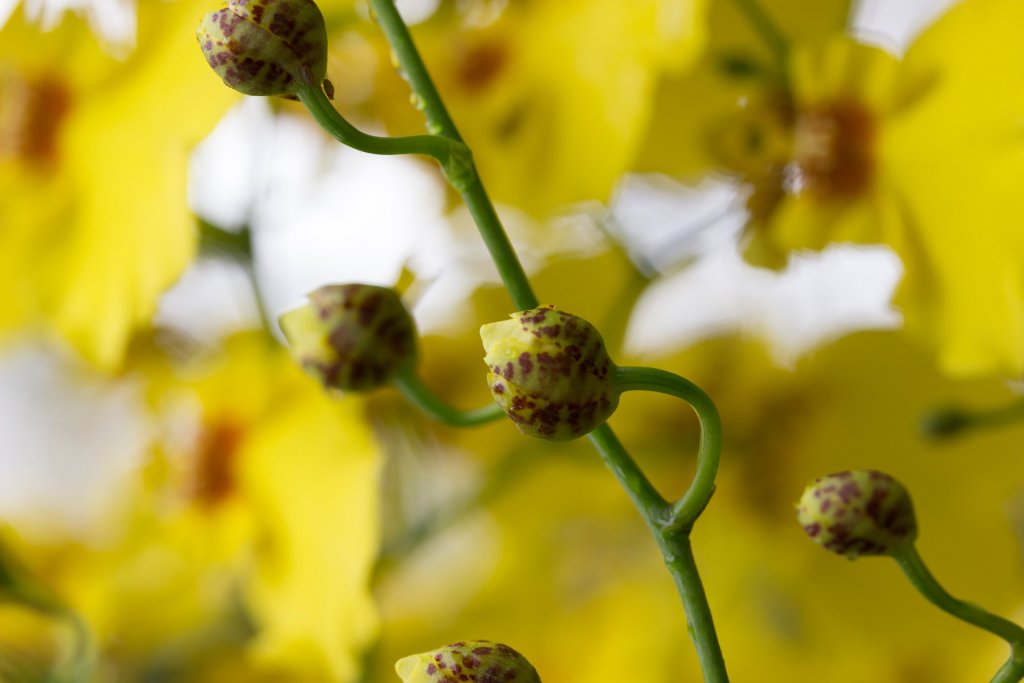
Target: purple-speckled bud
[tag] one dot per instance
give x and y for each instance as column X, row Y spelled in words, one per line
column 266, row 47
column 550, row 372
column 861, row 512
column 351, row 337
column 470, row 660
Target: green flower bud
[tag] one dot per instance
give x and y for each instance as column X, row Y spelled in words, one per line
column 550, row 372
column 352, row 337
column 266, row 47
column 862, row 512
column 483, row 661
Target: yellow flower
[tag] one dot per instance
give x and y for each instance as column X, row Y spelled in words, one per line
column 93, row 151
column 251, row 534
column 855, row 145
column 551, row 96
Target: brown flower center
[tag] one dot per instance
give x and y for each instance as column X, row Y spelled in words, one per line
column 832, row 150
column 779, row 149
column 480, row 64
column 32, row 110
column 213, row 474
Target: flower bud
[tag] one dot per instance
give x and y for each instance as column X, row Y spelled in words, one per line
column 550, row 372
column 352, row 337
column 861, row 512
column 471, row 660
column 266, row 47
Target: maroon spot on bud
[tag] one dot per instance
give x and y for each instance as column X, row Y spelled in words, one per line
column 282, row 25
column 813, row 529
column 525, row 363
column 849, row 491
column 431, row 669
column 499, row 388
column 368, row 309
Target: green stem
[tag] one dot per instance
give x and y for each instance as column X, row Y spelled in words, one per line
column 439, row 121
column 946, row 422
column 236, row 246
column 674, row 540
column 914, row 567
column 681, row 564
column 344, row 132
column 420, row 395
column 688, row 508
column 674, row 543
column 765, row 27
column 645, row 497
column 466, row 180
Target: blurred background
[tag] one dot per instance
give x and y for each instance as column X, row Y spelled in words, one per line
column 811, row 212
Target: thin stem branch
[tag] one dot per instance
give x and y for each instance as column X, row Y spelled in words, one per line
column 420, row 395
column 344, row 132
column 465, row 179
column 919, row 575
column 688, row 508
column 236, row 246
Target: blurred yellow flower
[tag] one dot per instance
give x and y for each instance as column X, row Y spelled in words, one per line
column 551, row 96
column 95, row 221
column 853, row 144
column 249, row 541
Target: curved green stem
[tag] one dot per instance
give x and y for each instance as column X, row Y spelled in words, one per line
column 344, row 132
column 688, row 508
column 674, row 543
column 914, row 567
column 420, row 395
column 464, row 179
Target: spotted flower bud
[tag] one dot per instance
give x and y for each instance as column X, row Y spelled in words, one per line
column 351, row 337
column 266, row 47
column 550, row 372
column 861, row 512
column 472, row 660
